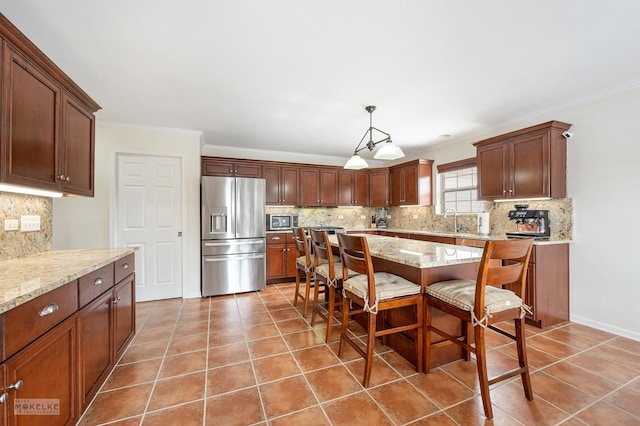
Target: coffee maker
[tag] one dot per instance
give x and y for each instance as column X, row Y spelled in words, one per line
column 382, row 219
column 529, row 223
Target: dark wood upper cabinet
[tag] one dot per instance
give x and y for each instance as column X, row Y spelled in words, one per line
column 528, row 163
column 379, row 187
column 281, row 185
column 47, row 122
column 411, row 183
column 318, row 187
column 76, row 173
column 353, row 188
column 228, row 167
column 30, row 123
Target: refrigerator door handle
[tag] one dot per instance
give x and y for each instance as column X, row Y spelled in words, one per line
column 226, row 259
column 228, row 243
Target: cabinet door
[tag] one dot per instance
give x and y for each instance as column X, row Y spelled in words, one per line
column 329, row 188
column 96, row 356
column 529, row 165
column 289, row 186
column 77, row 156
column 125, row 314
column 272, row 177
column 249, row 170
column 309, row 187
column 345, row 188
column 360, row 189
column 30, row 120
column 492, row 171
column 216, row 168
column 397, row 187
column 410, row 185
column 292, row 268
column 276, row 261
column 48, row 370
column 379, row 189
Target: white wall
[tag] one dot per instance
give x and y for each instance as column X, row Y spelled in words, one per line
column 603, row 172
column 87, row 222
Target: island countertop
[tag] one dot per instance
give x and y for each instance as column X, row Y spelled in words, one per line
column 459, row 235
column 419, row 254
column 26, row 278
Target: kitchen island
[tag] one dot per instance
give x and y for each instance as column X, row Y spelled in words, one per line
column 422, row 263
column 65, row 318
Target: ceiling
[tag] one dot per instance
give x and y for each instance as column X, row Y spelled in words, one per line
column 295, row 75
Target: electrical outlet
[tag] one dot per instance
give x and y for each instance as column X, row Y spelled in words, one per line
column 11, row 224
column 340, row 217
column 362, row 216
column 29, row 223
column 414, row 217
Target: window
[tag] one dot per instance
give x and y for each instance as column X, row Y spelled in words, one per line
column 458, row 187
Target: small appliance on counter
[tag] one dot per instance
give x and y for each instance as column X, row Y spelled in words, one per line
column 382, row 219
column 529, row 223
column 279, row 222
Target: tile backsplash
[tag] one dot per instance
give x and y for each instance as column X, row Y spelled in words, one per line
column 426, row 219
column 15, row 244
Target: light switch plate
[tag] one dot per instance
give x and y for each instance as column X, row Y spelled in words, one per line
column 29, row 223
column 11, row 224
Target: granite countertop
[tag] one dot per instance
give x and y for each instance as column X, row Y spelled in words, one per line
column 470, row 236
column 26, row 278
column 419, row 254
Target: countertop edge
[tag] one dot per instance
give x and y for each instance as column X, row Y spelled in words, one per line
column 110, row 256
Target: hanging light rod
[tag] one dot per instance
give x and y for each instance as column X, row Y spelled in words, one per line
column 388, row 151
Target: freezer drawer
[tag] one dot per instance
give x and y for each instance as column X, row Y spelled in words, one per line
column 238, row 246
column 236, row 273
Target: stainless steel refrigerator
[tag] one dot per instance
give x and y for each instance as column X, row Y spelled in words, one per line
column 233, row 235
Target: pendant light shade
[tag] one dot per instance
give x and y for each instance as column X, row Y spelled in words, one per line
column 388, row 151
column 356, row 163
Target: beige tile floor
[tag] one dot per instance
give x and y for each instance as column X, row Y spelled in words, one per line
column 253, row 359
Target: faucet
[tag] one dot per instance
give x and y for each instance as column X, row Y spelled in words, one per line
column 455, row 217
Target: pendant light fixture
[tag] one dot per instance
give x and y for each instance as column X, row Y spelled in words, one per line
column 388, row 151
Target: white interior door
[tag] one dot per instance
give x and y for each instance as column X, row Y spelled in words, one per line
column 149, row 216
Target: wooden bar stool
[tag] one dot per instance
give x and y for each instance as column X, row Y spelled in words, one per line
column 376, row 292
column 482, row 303
column 328, row 272
column 304, row 266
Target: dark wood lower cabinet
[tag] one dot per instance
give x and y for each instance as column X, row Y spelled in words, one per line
column 69, row 360
column 125, row 314
column 48, row 371
column 96, row 353
column 281, row 256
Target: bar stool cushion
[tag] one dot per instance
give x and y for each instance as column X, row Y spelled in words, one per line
column 388, row 286
column 302, row 262
column 461, row 293
column 323, row 270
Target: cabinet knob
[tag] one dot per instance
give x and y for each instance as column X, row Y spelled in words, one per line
column 98, row 281
column 504, row 191
column 49, row 309
column 115, row 300
column 125, row 266
column 511, row 191
column 68, row 178
column 62, row 177
column 17, row 385
column 3, row 397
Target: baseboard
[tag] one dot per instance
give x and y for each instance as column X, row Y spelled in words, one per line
column 634, row 335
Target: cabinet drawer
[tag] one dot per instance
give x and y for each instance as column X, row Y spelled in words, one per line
column 278, row 237
column 27, row 322
column 124, row 267
column 95, row 283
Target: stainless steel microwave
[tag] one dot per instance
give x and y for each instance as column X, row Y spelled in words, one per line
column 277, row 222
